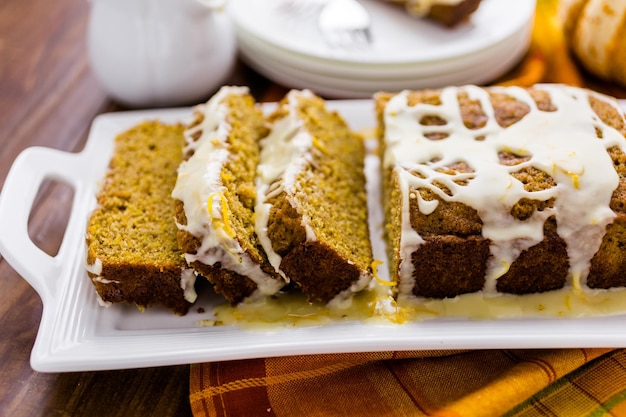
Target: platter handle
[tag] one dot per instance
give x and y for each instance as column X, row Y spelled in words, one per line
column 29, row 170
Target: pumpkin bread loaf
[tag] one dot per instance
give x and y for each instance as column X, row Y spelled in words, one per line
column 503, row 190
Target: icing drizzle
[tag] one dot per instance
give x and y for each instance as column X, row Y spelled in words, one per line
column 561, row 143
column 285, row 153
column 199, row 187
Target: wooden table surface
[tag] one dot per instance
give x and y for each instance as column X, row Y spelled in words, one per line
column 49, row 97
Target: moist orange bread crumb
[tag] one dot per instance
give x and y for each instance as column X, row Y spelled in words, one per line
column 132, row 251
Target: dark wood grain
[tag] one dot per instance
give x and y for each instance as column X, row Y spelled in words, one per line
column 49, row 97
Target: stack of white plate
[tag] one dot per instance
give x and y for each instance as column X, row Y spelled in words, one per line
column 405, row 52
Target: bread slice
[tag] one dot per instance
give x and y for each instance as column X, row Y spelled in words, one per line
column 132, row 251
column 216, row 196
column 311, row 214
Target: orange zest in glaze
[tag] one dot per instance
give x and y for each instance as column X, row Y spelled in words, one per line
column 399, row 315
column 505, row 268
column 375, row 264
column 224, row 211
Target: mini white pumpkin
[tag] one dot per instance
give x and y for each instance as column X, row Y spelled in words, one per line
column 596, row 33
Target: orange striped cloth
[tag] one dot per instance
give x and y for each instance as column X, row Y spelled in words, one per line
column 567, row 382
column 560, row 382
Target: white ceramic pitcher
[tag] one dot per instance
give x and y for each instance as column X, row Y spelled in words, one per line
column 150, row 53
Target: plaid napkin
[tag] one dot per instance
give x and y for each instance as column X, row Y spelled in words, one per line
column 416, row 383
column 589, row 382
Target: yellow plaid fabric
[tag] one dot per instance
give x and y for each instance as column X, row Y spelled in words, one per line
column 561, row 382
column 597, row 388
column 557, row 382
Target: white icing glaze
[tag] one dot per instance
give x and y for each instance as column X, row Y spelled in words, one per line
column 344, row 299
column 103, row 280
column 372, row 307
column 95, row 268
column 187, row 283
column 561, row 143
column 103, row 303
column 199, row 187
column 284, row 153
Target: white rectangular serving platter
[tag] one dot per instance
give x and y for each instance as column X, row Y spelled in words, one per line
column 77, row 334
